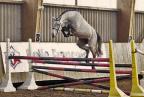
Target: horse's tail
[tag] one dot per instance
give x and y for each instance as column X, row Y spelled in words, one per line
column 99, row 40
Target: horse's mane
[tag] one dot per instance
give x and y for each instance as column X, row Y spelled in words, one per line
column 59, row 17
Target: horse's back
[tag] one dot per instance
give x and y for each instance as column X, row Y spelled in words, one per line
column 82, row 28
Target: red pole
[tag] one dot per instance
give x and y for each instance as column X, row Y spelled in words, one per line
column 60, row 58
column 81, row 70
column 76, row 63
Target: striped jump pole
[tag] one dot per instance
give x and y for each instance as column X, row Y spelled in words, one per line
column 137, row 90
column 81, row 70
column 82, row 90
column 76, row 63
column 71, row 79
column 59, row 58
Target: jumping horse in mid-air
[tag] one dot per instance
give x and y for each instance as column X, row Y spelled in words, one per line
column 72, row 23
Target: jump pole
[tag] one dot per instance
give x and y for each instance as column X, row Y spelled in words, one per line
column 99, row 80
column 137, row 90
column 114, row 90
column 70, row 84
column 59, row 58
column 80, row 70
column 68, row 61
column 30, row 81
column 72, row 79
column 76, row 63
column 6, row 85
column 82, row 90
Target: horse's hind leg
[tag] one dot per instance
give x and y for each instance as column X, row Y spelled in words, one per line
column 93, row 51
column 92, row 47
column 82, row 44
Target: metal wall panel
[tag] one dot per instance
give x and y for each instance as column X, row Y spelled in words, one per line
column 104, row 22
column 139, row 27
column 10, row 22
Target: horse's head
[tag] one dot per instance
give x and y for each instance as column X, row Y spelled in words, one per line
column 55, row 26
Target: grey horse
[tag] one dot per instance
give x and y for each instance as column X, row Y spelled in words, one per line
column 72, row 23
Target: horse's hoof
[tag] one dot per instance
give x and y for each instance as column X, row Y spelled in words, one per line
column 93, row 67
column 87, row 61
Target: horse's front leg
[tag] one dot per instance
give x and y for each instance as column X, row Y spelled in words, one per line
column 93, row 50
column 92, row 47
column 82, row 44
column 87, row 53
column 94, row 56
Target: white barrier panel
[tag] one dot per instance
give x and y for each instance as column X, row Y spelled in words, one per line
column 16, row 49
column 41, row 50
column 32, row 49
column 57, row 50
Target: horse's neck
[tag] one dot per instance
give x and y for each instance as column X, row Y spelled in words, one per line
column 68, row 16
column 64, row 17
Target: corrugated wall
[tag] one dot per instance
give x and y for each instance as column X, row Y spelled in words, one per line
column 10, row 22
column 104, row 21
column 139, row 27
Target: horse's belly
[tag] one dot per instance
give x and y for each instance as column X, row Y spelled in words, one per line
column 82, row 34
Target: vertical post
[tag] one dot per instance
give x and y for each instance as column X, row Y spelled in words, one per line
column 132, row 20
column 38, row 21
column 31, row 13
column 30, row 81
column 7, row 85
column 114, row 90
column 76, row 2
column 137, row 90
